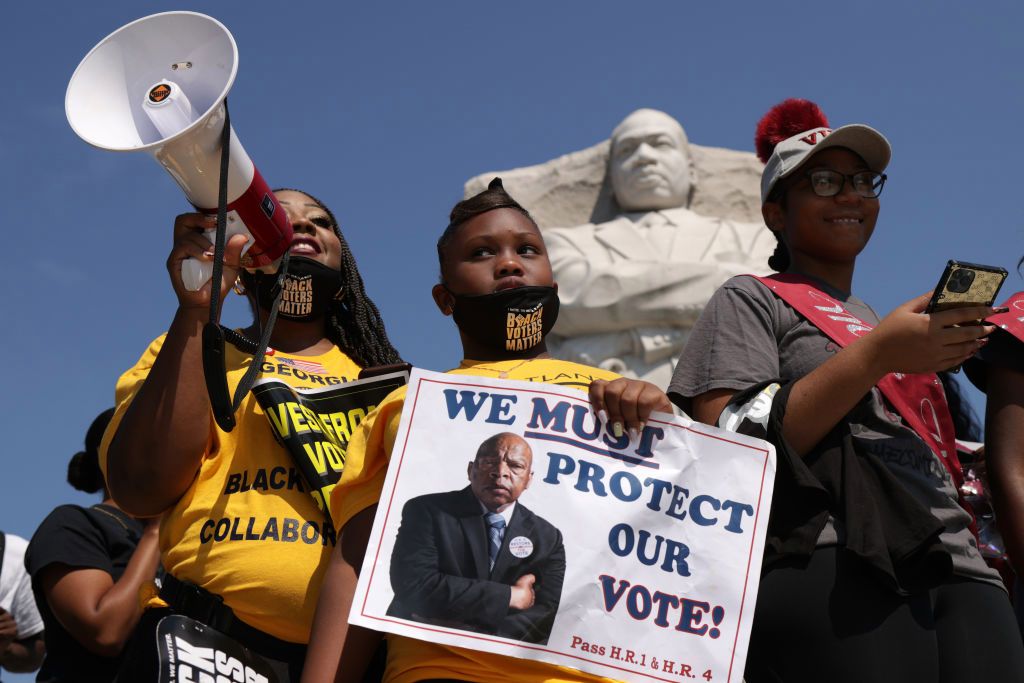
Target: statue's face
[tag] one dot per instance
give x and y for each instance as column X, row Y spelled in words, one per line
column 650, row 162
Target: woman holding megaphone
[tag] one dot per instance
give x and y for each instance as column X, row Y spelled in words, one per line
column 243, row 541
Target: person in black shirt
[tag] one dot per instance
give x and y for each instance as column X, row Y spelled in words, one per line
column 87, row 567
column 998, row 370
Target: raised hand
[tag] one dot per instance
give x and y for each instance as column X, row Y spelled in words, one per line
column 190, row 242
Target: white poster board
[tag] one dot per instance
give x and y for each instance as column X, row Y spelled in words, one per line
column 645, row 552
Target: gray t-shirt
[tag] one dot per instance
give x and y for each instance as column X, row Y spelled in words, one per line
column 747, row 335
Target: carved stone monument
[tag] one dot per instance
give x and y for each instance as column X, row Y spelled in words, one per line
column 658, row 226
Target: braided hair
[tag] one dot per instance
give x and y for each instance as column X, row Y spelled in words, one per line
column 353, row 323
column 779, row 261
column 494, row 197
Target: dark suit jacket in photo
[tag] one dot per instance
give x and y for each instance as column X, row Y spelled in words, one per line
column 439, row 568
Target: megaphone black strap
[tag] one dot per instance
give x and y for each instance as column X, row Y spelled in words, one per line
column 222, row 217
column 214, row 366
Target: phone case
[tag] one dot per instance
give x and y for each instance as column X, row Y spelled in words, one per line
column 981, row 289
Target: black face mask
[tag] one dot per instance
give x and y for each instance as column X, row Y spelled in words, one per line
column 309, row 289
column 511, row 320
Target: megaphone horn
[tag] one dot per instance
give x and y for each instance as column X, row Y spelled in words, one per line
column 158, row 85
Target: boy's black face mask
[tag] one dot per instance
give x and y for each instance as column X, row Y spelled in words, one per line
column 309, row 288
column 511, row 320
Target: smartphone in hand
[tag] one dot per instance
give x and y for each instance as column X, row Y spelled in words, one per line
column 966, row 284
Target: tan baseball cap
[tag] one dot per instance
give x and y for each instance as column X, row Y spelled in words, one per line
column 792, row 153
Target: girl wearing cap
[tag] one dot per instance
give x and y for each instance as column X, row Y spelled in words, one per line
column 871, row 568
column 492, row 257
column 243, row 541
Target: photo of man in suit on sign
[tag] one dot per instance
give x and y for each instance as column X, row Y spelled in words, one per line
column 476, row 559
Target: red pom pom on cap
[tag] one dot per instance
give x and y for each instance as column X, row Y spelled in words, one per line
column 783, row 121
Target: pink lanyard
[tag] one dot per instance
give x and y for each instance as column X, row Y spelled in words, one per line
column 919, row 399
column 1013, row 321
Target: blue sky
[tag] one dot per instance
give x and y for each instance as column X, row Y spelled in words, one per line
column 384, row 109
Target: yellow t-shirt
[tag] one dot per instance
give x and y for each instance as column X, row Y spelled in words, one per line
column 366, row 465
column 247, row 529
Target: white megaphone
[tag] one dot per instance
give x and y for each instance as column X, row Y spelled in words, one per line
column 158, row 85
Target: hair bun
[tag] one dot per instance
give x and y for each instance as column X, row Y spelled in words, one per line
column 784, row 120
column 84, row 472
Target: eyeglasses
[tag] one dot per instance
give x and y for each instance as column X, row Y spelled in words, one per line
column 828, row 183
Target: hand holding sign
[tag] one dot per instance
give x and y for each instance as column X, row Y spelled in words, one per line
column 628, row 402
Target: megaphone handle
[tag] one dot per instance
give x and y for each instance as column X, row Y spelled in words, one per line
column 196, row 273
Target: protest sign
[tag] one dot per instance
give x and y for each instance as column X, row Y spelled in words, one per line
column 633, row 558
column 189, row 651
column 315, row 425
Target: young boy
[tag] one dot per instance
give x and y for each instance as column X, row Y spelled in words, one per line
column 492, row 258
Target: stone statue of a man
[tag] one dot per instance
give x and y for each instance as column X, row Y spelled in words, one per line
column 631, row 288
